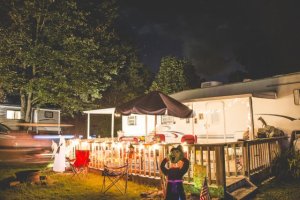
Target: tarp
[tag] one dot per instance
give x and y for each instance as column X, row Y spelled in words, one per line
column 155, row 103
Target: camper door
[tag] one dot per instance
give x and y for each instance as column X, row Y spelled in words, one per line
column 215, row 122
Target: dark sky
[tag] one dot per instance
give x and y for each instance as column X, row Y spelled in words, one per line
column 219, row 37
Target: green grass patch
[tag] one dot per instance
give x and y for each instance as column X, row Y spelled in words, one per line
column 280, row 190
column 214, row 191
column 63, row 187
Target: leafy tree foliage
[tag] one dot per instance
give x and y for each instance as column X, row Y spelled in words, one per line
column 51, row 52
column 174, row 75
column 132, row 81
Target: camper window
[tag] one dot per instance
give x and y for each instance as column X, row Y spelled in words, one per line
column 131, row 120
column 166, row 119
column 48, row 114
column 297, row 97
column 13, row 114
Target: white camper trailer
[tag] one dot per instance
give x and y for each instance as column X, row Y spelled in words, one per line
column 228, row 112
column 11, row 114
column 46, row 116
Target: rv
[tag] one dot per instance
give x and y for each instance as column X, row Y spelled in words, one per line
column 229, row 112
column 11, row 114
column 46, row 116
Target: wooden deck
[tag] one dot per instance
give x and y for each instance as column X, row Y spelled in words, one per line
column 222, row 163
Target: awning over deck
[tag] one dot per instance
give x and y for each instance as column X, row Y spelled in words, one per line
column 101, row 111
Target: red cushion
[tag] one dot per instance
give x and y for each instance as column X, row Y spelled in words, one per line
column 82, row 158
column 190, row 139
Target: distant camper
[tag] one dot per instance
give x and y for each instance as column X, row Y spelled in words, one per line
column 11, row 114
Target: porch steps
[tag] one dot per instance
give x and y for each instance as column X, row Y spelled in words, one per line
column 240, row 188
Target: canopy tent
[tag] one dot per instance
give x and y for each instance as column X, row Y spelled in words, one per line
column 105, row 111
column 155, row 103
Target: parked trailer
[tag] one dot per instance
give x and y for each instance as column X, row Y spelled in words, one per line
column 228, row 112
column 11, row 114
column 46, row 116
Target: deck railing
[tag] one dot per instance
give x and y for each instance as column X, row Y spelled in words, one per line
column 251, row 157
column 221, row 160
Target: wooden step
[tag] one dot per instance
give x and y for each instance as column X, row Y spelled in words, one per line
column 240, row 189
column 243, row 193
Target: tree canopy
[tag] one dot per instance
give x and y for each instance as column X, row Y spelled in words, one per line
column 132, row 80
column 174, row 75
column 51, row 52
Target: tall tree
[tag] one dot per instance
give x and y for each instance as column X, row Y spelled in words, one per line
column 2, row 95
column 132, row 81
column 51, row 52
column 174, row 75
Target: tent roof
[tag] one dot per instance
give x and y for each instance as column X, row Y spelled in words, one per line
column 155, row 103
column 110, row 111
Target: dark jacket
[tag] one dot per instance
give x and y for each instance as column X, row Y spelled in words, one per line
column 175, row 188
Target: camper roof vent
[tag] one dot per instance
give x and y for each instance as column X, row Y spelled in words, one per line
column 210, row 84
column 247, row 79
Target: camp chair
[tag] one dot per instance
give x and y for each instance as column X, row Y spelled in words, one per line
column 81, row 162
column 114, row 175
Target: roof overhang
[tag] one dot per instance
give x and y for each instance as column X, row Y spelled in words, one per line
column 108, row 111
column 265, row 95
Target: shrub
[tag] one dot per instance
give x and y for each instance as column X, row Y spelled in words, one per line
column 294, row 164
column 286, row 165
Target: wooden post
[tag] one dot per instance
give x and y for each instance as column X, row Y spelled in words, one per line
column 220, row 166
column 149, row 161
column 235, row 159
column 195, row 156
column 201, row 155
column 155, row 167
column 248, row 159
column 88, row 126
column 244, row 154
column 269, row 154
column 228, row 160
column 208, row 165
column 191, row 163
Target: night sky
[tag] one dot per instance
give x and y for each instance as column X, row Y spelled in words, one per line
column 259, row 37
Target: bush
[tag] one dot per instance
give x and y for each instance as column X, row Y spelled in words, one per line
column 286, row 165
column 294, row 164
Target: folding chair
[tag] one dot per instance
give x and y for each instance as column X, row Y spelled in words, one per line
column 81, row 162
column 114, row 175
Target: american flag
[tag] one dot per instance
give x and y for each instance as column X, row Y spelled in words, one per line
column 204, row 195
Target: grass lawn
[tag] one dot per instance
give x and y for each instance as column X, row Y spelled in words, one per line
column 63, row 187
column 283, row 190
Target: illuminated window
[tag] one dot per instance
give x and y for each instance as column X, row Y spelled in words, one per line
column 166, row 119
column 131, row 120
column 13, row 114
column 48, row 114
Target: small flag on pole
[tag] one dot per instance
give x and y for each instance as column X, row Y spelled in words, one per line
column 204, row 194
